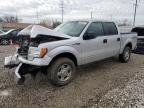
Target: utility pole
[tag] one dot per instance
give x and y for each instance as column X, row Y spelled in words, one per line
column 37, row 15
column 62, row 9
column 91, row 15
column 136, row 4
column 17, row 20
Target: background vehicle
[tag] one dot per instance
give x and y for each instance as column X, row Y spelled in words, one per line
column 140, row 44
column 6, row 30
column 1, row 31
column 9, row 35
column 71, row 44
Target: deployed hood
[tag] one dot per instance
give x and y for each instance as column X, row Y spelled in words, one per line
column 35, row 30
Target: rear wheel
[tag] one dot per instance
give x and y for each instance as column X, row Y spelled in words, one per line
column 125, row 56
column 4, row 42
column 61, row 71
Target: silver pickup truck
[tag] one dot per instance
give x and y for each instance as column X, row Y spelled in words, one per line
column 58, row 52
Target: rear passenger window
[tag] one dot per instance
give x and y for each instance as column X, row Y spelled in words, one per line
column 97, row 28
column 110, row 28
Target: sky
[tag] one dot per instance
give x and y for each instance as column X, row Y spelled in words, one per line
column 33, row 11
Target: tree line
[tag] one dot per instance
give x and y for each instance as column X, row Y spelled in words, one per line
column 9, row 19
column 15, row 19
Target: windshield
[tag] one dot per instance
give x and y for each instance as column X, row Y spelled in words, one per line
column 8, row 31
column 73, row 28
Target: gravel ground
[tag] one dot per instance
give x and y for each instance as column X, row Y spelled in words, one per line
column 105, row 84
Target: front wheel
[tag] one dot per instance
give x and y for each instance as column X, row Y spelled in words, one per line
column 125, row 56
column 61, row 71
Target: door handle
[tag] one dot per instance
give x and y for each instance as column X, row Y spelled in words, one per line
column 76, row 44
column 118, row 39
column 105, row 41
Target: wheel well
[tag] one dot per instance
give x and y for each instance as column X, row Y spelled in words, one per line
column 129, row 45
column 67, row 55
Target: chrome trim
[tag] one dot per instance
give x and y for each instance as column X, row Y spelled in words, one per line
column 36, row 61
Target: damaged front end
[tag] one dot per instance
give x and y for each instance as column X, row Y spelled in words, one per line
column 23, row 69
column 27, row 58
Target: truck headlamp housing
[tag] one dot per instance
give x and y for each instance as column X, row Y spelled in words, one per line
column 43, row 52
column 37, row 52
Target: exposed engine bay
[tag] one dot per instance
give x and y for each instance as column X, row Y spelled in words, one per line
column 33, row 36
column 26, row 42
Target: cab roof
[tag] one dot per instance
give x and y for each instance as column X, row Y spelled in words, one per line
column 93, row 20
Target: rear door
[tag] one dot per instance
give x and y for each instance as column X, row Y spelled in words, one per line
column 113, row 38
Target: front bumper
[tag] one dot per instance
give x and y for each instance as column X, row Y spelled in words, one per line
column 16, row 59
column 25, row 66
column 36, row 61
column 11, row 61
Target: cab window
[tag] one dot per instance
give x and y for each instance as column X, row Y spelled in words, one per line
column 110, row 28
column 96, row 28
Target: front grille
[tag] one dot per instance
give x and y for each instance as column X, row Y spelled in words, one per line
column 24, row 46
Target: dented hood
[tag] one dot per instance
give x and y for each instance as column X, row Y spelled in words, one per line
column 35, row 30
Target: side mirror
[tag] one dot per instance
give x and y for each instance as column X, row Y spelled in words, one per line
column 89, row 36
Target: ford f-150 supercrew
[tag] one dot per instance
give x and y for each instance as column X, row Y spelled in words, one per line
column 58, row 52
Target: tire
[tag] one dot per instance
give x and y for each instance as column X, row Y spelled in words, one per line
column 125, row 56
column 4, row 42
column 61, row 72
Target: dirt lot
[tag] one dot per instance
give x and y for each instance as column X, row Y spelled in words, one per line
column 99, row 84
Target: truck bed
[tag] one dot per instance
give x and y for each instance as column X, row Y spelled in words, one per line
column 129, row 36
